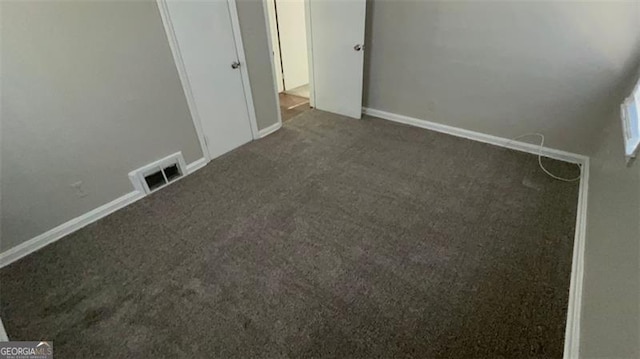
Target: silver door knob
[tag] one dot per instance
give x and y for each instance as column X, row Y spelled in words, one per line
column 235, row 65
column 358, row 47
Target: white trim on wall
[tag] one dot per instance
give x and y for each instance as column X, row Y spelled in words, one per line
column 273, row 66
column 13, row 254
column 182, row 74
column 244, row 71
column 3, row 333
column 271, row 129
column 574, row 310
column 307, row 18
column 572, row 329
column 196, row 165
column 478, row 136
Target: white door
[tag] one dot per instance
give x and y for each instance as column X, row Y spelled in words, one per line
column 337, row 36
column 293, row 42
column 207, row 47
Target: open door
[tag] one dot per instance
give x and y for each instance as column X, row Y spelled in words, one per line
column 337, row 43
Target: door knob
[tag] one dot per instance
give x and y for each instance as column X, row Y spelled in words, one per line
column 235, row 65
column 358, row 47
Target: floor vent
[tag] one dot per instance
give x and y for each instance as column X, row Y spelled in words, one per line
column 156, row 175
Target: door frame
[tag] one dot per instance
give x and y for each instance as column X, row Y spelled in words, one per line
column 307, row 23
column 265, row 10
column 184, row 79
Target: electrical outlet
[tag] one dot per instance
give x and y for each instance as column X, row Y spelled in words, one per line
column 79, row 189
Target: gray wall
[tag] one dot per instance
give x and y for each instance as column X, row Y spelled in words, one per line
column 256, row 47
column 502, row 68
column 611, row 301
column 89, row 92
column 508, row 68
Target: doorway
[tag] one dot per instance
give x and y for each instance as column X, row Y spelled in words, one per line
column 332, row 32
column 289, row 41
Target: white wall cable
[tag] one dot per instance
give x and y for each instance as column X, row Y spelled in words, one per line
column 540, row 158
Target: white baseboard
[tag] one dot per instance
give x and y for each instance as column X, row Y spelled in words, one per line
column 3, row 333
column 196, row 165
column 477, row 136
column 13, row 254
column 269, row 130
column 572, row 329
column 572, row 333
column 574, row 310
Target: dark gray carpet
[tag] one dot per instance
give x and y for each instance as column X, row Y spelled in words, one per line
column 330, row 238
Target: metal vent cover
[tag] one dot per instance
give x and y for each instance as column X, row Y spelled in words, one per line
column 158, row 174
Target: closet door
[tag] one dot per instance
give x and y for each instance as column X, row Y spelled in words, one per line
column 206, row 45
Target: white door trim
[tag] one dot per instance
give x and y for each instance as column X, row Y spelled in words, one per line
column 184, row 79
column 244, row 71
column 273, row 65
column 182, row 73
column 307, row 16
column 307, row 23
